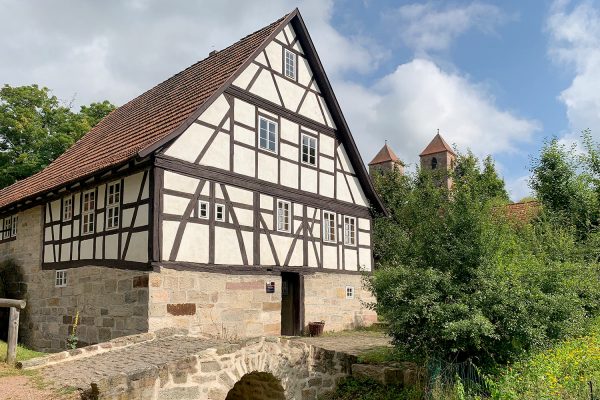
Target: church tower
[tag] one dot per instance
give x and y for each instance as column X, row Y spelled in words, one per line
column 386, row 160
column 438, row 155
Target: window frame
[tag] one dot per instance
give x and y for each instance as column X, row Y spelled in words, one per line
column 223, row 213
column 207, row 205
column 60, row 278
column 113, row 205
column 316, row 148
column 14, row 223
column 67, row 201
column 276, row 133
column 6, row 227
column 347, row 219
column 281, row 202
column 329, row 232
column 89, row 213
column 351, row 290
column 294, row 62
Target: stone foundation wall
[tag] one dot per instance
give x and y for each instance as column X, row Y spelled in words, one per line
column 325, row 300
column 220, row 305
column 111, row 302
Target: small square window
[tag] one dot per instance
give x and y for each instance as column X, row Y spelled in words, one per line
column 60, row 278
column 349, row 292
column 268, row 134
column 220, row 212
column 203, row 209
column 67, row 208
column 290, row 64
column 309, row 150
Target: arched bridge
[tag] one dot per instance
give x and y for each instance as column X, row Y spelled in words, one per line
column 177, row 366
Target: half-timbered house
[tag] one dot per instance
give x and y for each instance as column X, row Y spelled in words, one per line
column 229, row 200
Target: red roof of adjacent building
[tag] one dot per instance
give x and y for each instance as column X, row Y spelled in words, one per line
column 143, row 121
column 386, row 154
column 437, row 145
column 522, row 212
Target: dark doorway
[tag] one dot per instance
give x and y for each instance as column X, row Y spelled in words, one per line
column 292, row 303
column 257, row 386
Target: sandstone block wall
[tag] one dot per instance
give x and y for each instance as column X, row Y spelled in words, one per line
column 221, row 305
column 325, row 300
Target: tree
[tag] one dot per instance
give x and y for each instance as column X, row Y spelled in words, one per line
column 456, row 280
column 35, row 128
column 566, row 182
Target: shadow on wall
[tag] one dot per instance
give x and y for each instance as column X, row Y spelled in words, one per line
column 11, row 287
column 257, row 386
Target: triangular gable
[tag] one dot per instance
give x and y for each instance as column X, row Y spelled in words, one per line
column 322, row 101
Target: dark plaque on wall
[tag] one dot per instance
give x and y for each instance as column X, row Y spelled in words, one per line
column 270, row 287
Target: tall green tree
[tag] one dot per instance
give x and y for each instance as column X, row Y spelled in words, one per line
column 567, row 182
column 35, row 128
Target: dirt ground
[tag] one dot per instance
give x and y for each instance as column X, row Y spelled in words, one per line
column 16, row 385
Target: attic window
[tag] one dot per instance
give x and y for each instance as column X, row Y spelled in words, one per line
column 434, row 163
column 290, row 64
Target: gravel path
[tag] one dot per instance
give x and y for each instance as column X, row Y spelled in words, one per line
column 349, row 342
column 23, row 387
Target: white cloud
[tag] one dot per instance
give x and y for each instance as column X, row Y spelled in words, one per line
column 575, row 44
column 519, row 188
column 409, row 105
column 426, row 27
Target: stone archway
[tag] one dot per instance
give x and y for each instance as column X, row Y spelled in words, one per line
column 257, row 386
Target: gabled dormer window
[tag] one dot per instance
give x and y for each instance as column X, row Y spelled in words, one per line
column 290, row 64
column 268, row 134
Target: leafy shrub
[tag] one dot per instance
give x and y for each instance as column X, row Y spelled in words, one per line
column 457, row 281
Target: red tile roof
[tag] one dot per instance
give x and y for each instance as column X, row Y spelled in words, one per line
column 142, row 122
column 386, row 154
column 437, row 145
column 522, row 212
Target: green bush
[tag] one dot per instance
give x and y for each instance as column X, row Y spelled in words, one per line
column 458, row 280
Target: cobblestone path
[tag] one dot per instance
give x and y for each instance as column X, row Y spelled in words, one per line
column 80, row 372
column 350, row 342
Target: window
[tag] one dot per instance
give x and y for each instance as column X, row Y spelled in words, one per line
column 283, row 216
column 309, row 150
column 7, row 229
column 290, row 64
column 268, row 134
column 14, row 223
column 113, row 201
column 350, row 230
column 220, row 212
column 328, row 226
column 89, row 207
column 433, row 163
column 60, row 278
column 67, row 209
column 202, row 209
column 349, row 292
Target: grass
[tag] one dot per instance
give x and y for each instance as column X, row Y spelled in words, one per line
column 23, row 353
column 562, row 372
column 366, row 389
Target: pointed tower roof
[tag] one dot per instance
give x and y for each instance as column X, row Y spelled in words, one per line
column 386, row 154
column 437, row 145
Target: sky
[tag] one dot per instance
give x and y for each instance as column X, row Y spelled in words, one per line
column 495, row 77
